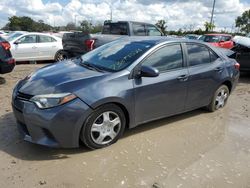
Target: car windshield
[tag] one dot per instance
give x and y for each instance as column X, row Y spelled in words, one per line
column 117, row 55
column 13, row 36
column 211, row 38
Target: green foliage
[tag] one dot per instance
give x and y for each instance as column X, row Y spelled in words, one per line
column 209, row 26
column 161, row 24
column 86, row 26
column 25, row 23
column 243, row 22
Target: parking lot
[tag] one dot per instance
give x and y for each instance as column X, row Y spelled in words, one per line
column 195, row 149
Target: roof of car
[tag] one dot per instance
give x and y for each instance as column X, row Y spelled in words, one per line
column 218, row 34
column 158, row 39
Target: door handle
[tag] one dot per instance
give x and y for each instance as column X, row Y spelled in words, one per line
column 34, row 47
column 53, row 46
column 218, row 69
column 182, row 77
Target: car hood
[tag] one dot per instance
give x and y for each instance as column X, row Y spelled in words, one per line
column 59, row 77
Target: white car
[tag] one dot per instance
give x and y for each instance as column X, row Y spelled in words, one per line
column 36, row 47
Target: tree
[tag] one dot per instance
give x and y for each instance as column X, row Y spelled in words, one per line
column 26, row 24
column 70, row 26
column 209, row 26
column 243, row 22
column 161, row 24
column 86, row 26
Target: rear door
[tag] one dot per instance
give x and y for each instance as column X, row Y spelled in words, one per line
column 205, row 72
column 47, row 47
column 166, row 94
column 25, row 48
column 227, row 42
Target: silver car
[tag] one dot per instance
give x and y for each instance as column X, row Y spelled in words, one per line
column 36, row 46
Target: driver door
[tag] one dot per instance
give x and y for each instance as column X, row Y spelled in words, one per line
column 164, row 95
column 25, row 48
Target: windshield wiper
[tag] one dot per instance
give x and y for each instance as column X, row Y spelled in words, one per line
column 90, row 66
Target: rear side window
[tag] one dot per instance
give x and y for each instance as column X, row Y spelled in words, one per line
column 139, row 29
column 153, row 31
column 198, row 54
column 166, row 58
column 225, row 38
column 115, row 28
column 213, row 56
column 43, row 39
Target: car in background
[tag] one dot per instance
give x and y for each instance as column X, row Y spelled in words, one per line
column 3, row 34
column 36, row 47
column 14, row 34
column 219, row 40
column 7, row 63
column 242, row 50
column 78, row 43
column 192, row 36
column 122, row 84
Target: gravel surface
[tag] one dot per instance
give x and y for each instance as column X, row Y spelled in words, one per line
column 195, row 149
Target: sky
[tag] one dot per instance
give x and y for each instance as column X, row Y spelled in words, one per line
column 180, row 14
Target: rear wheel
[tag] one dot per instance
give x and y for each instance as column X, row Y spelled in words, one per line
column 220, row 98
column 103, row 127
column 61, row 55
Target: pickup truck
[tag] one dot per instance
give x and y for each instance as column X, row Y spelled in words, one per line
column 78, row 43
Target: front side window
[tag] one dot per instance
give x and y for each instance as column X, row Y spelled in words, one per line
column 139, row 29
column 117, row 55
column 166, row 58
column 28, row 39
column 43, row 39
column 197, row 54
column 225, row 38
column 153, row 31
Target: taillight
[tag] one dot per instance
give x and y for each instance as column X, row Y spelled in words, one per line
column 89, row 44
column 5, row 45
column 237, row 66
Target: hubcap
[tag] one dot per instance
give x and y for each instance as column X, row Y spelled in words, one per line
column 221, row 99
column 105, row 128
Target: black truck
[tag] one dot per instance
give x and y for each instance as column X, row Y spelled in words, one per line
column 78, row 43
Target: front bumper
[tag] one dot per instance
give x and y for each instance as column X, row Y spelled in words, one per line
column 55, row 127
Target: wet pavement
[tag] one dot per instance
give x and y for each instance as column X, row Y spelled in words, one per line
column 195, row 149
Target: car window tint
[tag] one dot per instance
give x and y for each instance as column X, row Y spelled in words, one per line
column 28, row 39
column 226, row 38
column 213, row 56
column 166, row 58
column 197, row 54
column 139, row 29
column 43, row 38
column 153, row 31
column 115, row 28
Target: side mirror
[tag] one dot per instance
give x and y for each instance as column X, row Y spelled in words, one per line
column 17, row 42
column 147, row 71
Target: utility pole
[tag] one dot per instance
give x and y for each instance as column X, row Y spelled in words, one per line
column 212, row 15
column 111, row 11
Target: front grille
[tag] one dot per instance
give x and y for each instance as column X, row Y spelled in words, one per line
column 24, row 96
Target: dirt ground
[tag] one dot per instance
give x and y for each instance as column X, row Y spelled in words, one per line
column 196, row 149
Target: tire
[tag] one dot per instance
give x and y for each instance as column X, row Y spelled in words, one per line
column 103, row 127
column 61, row 55
column 219, row 99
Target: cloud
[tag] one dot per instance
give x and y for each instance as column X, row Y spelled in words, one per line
column 178, row 13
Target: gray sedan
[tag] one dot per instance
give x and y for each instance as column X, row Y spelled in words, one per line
column 120, row 85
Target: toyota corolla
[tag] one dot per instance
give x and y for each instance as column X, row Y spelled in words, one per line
column 94, row 98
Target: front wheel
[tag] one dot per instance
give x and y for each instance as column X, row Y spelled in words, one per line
column 103, row 127
column 219, row 99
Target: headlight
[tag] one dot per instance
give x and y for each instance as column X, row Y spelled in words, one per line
column 52, row 100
